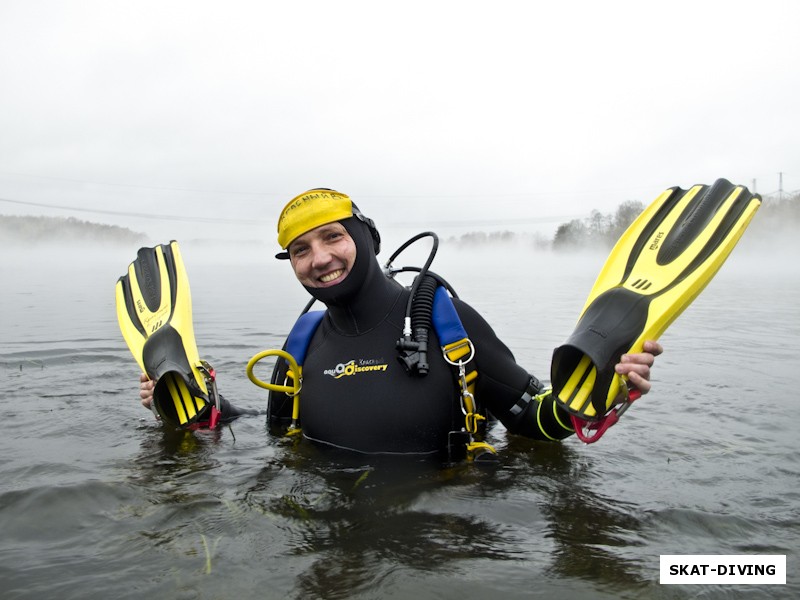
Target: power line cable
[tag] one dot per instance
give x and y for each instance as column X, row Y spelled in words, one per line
column 158, row 216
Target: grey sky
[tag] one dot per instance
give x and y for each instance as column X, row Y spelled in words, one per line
column 423, row 111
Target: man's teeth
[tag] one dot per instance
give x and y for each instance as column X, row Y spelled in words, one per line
column 331, row 276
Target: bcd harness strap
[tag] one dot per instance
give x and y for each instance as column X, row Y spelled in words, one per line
column 457, row 349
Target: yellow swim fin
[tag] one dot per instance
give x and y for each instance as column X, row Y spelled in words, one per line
column 659, row 265
column 154, row 308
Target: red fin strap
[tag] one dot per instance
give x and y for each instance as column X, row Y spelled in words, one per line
column 603, row 425
column 212, row 422
column 210, row 375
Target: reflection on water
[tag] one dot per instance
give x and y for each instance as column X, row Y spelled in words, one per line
column 96, row 500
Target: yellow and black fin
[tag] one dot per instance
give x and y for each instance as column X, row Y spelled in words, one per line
column 154, row 309
column 656, row 269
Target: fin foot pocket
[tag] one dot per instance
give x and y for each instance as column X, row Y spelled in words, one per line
column 178, row 401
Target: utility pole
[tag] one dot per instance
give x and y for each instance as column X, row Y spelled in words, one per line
column 780, row 186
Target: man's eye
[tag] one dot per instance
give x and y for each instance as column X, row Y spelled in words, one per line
column 298, row 250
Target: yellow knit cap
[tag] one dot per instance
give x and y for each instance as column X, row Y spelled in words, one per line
column 310, row 210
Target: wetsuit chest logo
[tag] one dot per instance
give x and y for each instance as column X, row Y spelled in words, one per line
column 361, row 366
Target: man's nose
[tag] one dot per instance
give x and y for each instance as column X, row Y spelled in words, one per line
column 320, row 255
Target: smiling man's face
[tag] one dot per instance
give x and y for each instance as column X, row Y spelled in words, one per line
column 324, row 256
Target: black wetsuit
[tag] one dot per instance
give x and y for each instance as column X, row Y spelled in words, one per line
column 356, row 395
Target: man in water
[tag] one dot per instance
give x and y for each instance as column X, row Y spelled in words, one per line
column 356, row 395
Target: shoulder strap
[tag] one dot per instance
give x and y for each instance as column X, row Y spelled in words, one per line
column 458, row 351
column 452, row 335
column 302, row 331
column 445, row 319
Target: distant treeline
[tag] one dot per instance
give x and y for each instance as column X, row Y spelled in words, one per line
column 597, row 229
column 775, row 218
column 31, row 229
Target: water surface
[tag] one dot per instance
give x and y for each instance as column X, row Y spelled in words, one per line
column 98, row 501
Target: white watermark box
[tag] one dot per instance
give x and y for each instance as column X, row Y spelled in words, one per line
column 729, row 569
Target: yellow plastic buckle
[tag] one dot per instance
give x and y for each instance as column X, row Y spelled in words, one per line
column 455, row 352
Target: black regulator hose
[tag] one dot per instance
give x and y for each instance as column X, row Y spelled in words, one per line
column 422, row 271
column 414, row 350
column 439, row 279
column 413, row 346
